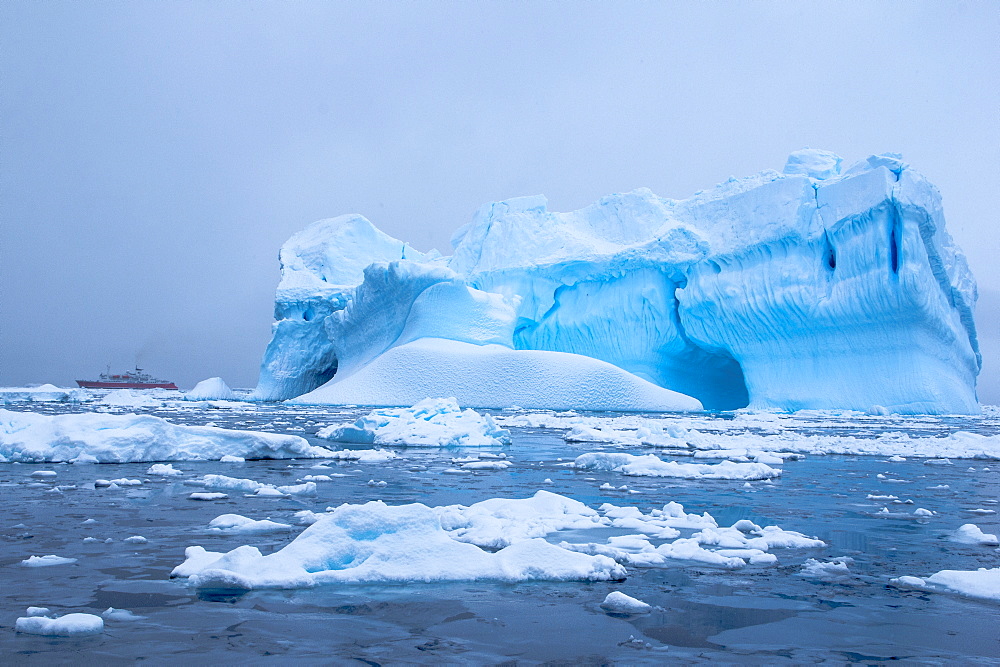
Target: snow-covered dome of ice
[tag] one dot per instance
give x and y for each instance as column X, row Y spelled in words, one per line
column 212, row 389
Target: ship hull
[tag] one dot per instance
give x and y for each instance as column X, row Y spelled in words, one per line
column 94, row 384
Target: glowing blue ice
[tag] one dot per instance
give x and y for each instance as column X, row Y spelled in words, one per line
column 822, row 287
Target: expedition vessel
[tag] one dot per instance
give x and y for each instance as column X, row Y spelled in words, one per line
column 128, row 380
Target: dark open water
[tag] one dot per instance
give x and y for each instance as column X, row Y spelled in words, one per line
column 755, row 615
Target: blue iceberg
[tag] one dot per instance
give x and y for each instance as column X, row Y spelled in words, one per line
column 820, row 287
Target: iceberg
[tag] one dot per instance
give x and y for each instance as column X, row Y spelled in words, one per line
column 821, row 287
column 212, row 389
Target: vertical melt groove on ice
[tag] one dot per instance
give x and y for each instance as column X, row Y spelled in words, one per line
column 821, row 287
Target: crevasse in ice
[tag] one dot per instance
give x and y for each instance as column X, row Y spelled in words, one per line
column 821, row 287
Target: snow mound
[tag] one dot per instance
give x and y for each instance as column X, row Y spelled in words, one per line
column 212, row 389
column 70, row 625
column 376, row 542
column 494, row 376
column 34, row 438
column 433, row 422
column 653, row 466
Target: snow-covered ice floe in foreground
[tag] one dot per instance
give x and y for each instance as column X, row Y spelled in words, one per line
column 375, row 542
column 742, row 295
column 497, row 539
column 96, row 437
column 433, row 422
column 982, row 583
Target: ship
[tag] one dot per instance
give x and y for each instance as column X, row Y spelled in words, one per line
column 128, row 380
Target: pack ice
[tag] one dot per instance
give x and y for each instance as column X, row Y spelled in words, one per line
column 103, row 438
column 821, row 287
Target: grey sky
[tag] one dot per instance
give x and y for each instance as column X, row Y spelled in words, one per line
column 154, row 156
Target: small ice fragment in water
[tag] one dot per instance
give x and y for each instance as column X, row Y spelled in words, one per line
column 229, row 458
column 920, row 511
column 113, row 614
column 44, row 561
column 43, row 473
column 135, row 539
column 208, row 496
column 163, row 470
column 38, row 611
column 617, row 602
column 69, row 625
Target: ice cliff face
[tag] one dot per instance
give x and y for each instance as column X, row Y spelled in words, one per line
column 819, row 287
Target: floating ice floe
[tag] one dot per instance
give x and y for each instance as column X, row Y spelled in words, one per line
column 213, row 495
column 375, row 542
column 212, row 389
column 126, row 398
column 253, row 486
column 652, row 466
column 45, row 561
column 135, row 539
column 701, row 435
column 433, row 422
column 113, row 614
column 826, row 570
column 46, row 393
column 617, row 602
column 982, row 583
column 237, row 524
column 970, row 533
column 34, row 438
column 363, row 455
column 70, row 625
column 163, row 470
column 736, row 546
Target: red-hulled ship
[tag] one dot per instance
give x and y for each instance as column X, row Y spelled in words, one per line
column 128, row 380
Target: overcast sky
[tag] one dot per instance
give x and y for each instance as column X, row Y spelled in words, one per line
column 155, row 155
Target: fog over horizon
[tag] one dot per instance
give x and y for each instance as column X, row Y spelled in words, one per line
column 155, row 156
